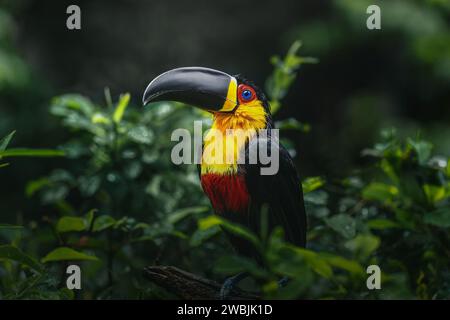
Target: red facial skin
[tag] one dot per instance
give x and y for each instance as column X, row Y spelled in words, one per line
column 226, row 192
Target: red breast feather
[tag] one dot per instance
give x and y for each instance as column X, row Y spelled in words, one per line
column 227, row 192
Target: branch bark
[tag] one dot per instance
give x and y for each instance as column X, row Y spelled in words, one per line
column 186, row 285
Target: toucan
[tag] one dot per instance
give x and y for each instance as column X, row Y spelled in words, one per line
column 238, row 190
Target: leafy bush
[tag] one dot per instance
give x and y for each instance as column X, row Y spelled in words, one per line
column 120, row 165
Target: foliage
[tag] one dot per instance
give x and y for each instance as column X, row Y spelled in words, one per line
column 120, row 164
column 284, row 74
column 33, row 282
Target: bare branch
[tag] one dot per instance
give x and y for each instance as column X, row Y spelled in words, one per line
column 189, row 286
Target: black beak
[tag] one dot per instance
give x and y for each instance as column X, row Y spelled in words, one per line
column 208, row 89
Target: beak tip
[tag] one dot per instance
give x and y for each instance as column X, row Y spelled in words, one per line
column 146, row 97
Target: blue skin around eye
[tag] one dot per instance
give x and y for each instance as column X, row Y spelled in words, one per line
column 246, row 94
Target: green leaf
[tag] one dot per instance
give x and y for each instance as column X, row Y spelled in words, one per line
column 342, row 224
column 387, row 167
column 13, row 253
column 363, row 244
column 422, row 149
column 6, row 140
column 200, row 236
column 90, row 217
column 89, row 185
column 377, row 191
column 439, row 217
column 315, row 261
column 351, row 266
column 312, row 183
column 179, row 234
column 209, row 222
column 141, row 134
column 240, row 231
column 103, row 222
column 61, row 104
column 70, row 224
column 318, row 198
column 133, row 169
column 36, row 185
column 381, row 224
column 435, row 193
column 99, row 117
column 64, row 254
column 121, row 106
column 236, row 229
column 31, row 153
column 183, row 213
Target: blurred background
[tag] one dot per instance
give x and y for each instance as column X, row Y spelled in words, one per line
column 365, row 80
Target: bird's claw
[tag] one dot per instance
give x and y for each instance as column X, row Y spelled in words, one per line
column 283, row 282
column 226, row 289
column 229, row 285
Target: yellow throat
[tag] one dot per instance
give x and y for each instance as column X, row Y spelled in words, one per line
column 228, row 135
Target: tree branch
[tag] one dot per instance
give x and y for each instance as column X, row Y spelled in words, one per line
column 189, row 286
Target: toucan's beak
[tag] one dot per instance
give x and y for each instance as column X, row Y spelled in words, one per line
column 208, row 89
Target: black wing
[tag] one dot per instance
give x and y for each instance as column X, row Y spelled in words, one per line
column 281, row 193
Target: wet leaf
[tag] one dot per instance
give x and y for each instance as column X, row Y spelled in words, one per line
column 141, row 134
column 342, row 224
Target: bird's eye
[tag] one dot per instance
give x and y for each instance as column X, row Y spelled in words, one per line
column 246, row 93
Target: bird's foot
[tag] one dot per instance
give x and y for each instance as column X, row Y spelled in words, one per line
column 229, row 285
column 283, row 282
